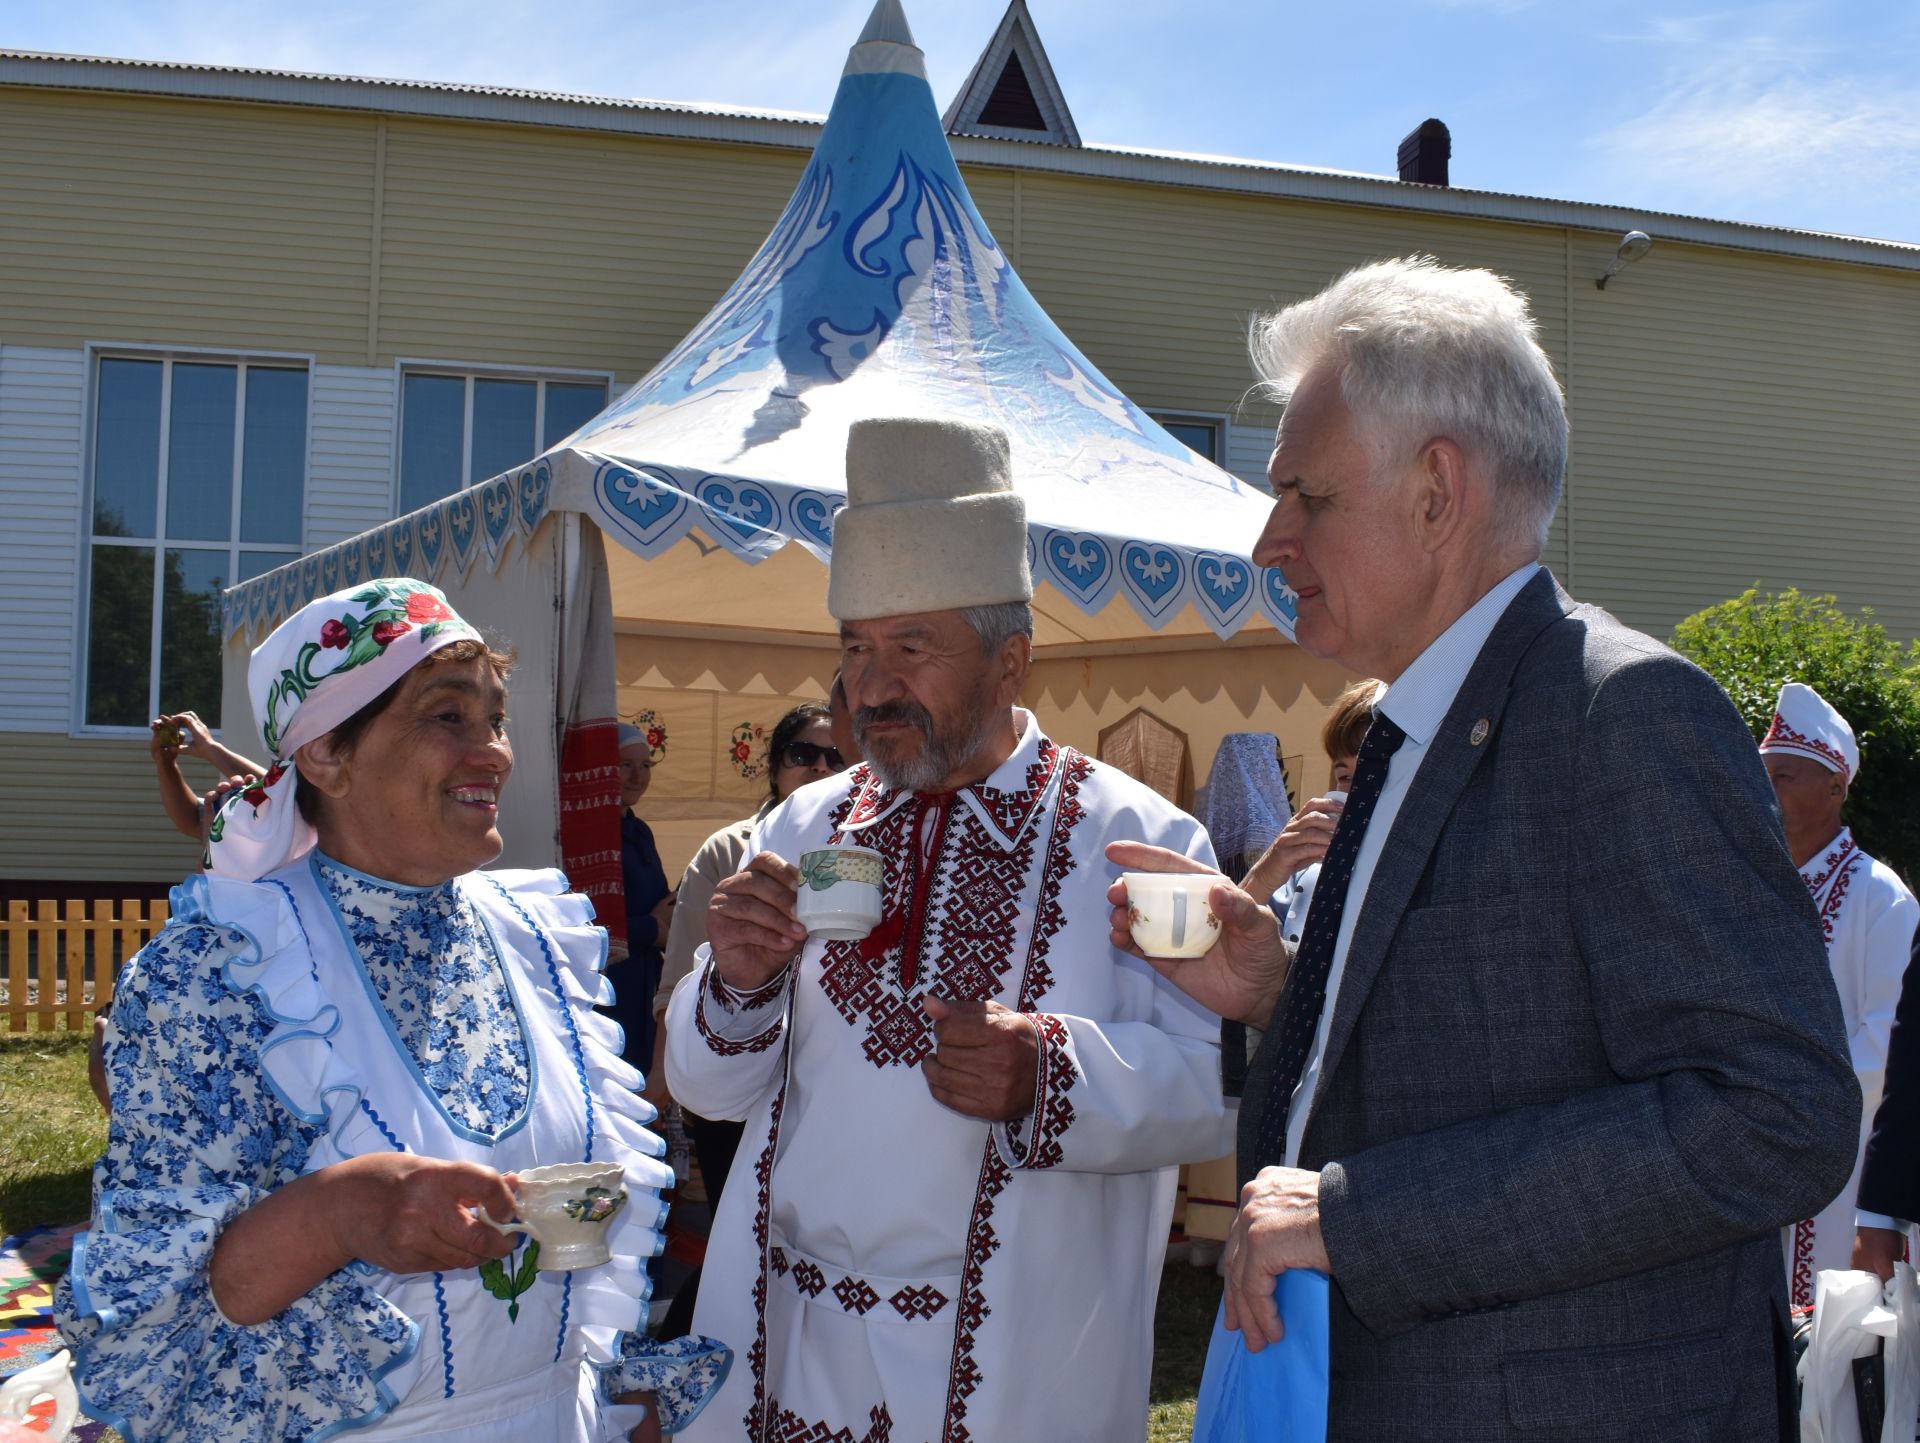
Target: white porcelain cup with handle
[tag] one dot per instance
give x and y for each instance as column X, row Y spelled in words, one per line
column 568, row 1209
column 840, row 893
column 1171, row 914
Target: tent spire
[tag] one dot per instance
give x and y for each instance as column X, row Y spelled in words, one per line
column 886, row 45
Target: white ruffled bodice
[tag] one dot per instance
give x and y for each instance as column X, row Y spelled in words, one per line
column 281, row 1026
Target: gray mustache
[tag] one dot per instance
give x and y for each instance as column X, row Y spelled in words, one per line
column 911, row 713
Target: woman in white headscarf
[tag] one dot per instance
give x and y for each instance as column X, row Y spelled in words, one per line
column 342, row 1049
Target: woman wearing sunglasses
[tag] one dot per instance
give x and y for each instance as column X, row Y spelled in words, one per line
column 801, row 750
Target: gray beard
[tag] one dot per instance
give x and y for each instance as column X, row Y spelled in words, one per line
column 940, row 756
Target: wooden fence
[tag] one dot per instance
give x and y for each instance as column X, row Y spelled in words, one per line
column 59, row 959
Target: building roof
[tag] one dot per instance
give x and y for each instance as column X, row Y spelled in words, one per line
column 798, row 131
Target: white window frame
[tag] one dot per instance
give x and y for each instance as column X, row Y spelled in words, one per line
column 471, row 371
column 94, row 353
column 1218, row 420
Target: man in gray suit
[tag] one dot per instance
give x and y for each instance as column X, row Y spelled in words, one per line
column 1558, row 1052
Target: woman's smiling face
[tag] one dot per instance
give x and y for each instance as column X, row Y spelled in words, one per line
column 418, row 799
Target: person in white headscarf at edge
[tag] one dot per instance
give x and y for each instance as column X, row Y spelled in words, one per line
column 1868, row 916
column 953, row 1194
column 343, row 1047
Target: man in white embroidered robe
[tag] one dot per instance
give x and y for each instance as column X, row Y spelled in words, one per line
column 963, row 1129
column 1868, row 916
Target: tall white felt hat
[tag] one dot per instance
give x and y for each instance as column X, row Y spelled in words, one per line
column 932, row 522
column 1805, row 724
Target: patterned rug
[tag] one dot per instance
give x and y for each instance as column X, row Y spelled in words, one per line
column 30, row 1265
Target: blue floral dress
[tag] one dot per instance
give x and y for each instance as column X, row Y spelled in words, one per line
column 278, row 1027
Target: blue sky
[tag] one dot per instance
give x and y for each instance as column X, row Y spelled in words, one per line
column 1799, row 113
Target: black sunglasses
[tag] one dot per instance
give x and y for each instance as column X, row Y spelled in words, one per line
column 805, row 754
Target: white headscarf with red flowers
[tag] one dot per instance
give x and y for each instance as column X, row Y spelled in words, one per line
column 319, row 667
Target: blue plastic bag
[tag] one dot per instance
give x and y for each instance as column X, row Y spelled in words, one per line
column 1278, row 1395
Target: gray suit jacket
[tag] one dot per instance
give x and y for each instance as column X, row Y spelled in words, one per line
column 1585, row 1059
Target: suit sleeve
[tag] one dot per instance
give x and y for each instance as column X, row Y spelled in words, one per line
column 1890, row 1177
column 1732, row 1105
column 1126, row 1096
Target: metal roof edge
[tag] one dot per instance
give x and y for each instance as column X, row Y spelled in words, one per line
column 790, row 131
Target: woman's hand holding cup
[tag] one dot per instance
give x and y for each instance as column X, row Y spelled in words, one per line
column 1301, row 843
column 413, row 1214
column 1240, row 975
column 751, row 924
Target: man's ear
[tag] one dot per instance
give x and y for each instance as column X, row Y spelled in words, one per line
column 326, row 769
column 1442, row 492
column 1016, row 656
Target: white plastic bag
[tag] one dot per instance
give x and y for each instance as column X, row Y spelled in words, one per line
column 1845, row 1303
column 1903, row 1356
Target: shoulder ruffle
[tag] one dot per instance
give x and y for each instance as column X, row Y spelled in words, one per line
column 610, row 1303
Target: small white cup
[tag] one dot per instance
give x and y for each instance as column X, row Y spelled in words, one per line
column 1170, row 912
column 840, row 892
column 568, row 1209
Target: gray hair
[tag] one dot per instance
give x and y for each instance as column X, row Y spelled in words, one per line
column 1426, row 350
column 994, row 624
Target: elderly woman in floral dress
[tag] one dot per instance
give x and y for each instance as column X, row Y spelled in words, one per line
column 344, row 1047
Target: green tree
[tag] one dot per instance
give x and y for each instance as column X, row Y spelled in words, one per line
column 1753, row 644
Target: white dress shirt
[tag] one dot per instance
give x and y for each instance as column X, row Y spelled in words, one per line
column 1418, row 701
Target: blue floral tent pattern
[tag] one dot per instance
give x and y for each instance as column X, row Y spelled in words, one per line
column 880, row 291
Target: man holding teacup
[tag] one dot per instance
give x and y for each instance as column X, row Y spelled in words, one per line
column 964, row 1107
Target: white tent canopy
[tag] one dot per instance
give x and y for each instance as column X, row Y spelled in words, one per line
column 880, row 291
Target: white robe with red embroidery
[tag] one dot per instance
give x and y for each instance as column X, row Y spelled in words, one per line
column 1868, row 916
column 887, row 1270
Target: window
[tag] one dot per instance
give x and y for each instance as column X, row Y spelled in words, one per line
column 1197, row 433
column 199, row 482
column 457, row 430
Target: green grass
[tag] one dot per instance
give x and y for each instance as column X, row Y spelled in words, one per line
column 1189, row 1298
column 51, row 1130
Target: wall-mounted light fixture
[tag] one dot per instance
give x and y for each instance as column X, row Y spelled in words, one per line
column 1633, row 245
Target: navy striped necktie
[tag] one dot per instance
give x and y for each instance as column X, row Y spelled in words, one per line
column 1306, row 990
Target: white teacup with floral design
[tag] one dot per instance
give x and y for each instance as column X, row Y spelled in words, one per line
column 568, row 1209
column 1170, row 912
column 840, row 892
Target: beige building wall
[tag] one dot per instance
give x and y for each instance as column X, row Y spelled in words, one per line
column 1738, row 417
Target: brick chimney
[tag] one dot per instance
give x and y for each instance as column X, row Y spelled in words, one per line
column 1424, row 154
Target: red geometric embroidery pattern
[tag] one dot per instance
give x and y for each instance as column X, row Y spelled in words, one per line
column 1791, row 739
column 856, row 1295
column 757, row 1413
column 778, row 1257
column 725, row 1046
column 808, row 1278
column 1802, row 1272
column 963, row 1376
column 972, row 919
column 1052, row 1110
column 1050, row 917
column 1830, row 887
column 918, row 1303
column 789, row 1427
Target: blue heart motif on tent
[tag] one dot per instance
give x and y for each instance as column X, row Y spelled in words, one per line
column 496, row 514
column 431, row 530
column 1281, row 601
column 1154, row 576
column 535, row 484
column 309, row 583
column 463, row 528
column 291, row 581
column 1223, row 584
column 644, row 502
column 255, row 595
column 353, row 556
column 743, row 507
column 376, row 554
column 813, row 515
column 400, row 545
column 329, row 572
column 1079, row 565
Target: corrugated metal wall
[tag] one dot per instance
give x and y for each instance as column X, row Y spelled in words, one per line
column 1737, row 417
